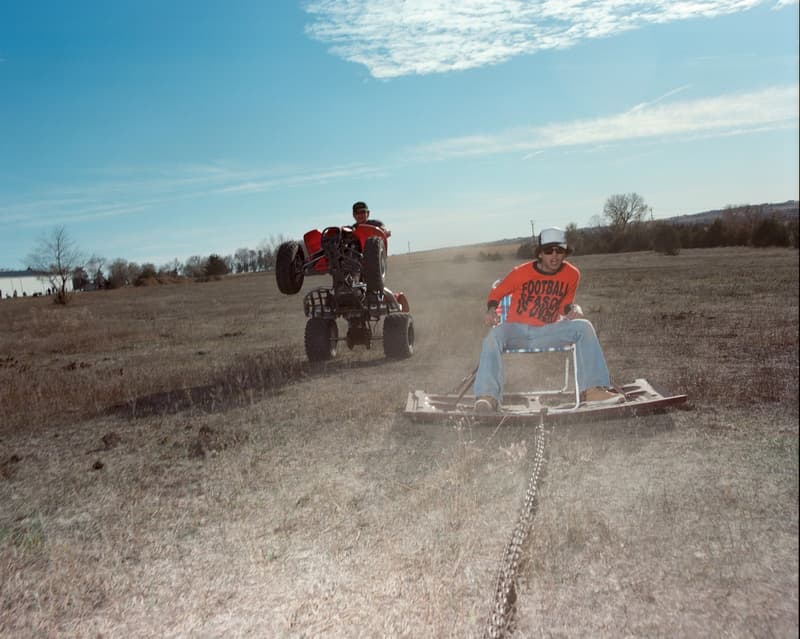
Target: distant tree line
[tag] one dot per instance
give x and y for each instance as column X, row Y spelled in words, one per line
column 627, row 225
column 96, row 273
column 59, row 256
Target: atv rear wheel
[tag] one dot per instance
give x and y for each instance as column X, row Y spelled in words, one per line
column 321, row 338
column 398, row 336
column 289, row 268
column 374, row 263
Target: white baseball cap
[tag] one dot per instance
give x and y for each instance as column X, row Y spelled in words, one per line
column 553, row 235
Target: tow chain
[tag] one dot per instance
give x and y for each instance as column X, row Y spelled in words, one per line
column 501, row 622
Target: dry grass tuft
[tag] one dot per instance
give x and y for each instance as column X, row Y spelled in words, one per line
column 240, row 383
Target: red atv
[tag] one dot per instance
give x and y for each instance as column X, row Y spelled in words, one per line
column 355, row 257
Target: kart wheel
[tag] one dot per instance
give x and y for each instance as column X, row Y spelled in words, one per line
column 374, row 263
column 398, row 336
column 321, row 336
column 289, row 268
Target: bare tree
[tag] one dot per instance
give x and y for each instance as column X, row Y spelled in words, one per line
column 269, row 249
column 94, row 267
column 80, row 279
column 172, row 268
column 622, row 210
column 58, row 256
column 625, row 215
column 241, row 260
column 573, row 235
column 195, row 266
column 118, row 273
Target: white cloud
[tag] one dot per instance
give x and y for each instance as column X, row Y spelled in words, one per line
column 668, row 94
column 317, row 177
column 134, row 191
column 403, row 37
column 765, row 110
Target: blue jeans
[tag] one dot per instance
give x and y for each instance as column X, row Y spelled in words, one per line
column 592, row 369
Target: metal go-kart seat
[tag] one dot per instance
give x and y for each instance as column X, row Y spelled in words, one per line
column 570, row 355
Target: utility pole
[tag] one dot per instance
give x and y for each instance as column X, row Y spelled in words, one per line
column 533, row 234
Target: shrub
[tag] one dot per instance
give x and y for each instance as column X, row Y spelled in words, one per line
column 770, row 232
column 666, row 240
column 146, row 276
column 215, row 266
column 489, row 257
column 526, row 251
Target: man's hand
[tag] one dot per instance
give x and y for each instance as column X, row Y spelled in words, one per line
column 574, row 312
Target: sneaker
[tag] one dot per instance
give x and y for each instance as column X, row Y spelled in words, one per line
column 600, row 395
column 485, row 405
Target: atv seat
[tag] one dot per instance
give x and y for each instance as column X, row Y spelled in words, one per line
column 570, row 355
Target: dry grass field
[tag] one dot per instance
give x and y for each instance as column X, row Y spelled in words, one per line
column 171, row 466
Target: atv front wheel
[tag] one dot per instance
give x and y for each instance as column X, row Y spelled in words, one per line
column 398, row 336
column 321, row 337
column 289, row 268
column 374, row 263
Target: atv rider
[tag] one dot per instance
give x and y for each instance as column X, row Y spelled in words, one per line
column 361, row 215
column 542, row 314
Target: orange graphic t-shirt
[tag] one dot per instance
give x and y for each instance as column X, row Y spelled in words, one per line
column 538, row 298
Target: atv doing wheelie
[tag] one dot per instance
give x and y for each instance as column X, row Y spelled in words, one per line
column 355, row 257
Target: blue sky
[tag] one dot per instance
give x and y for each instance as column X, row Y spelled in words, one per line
column 154, row 130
